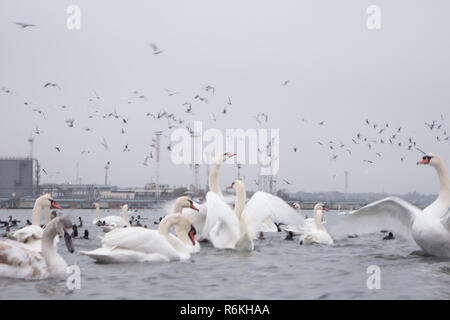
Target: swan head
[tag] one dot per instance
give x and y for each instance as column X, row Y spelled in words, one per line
column 431, row 159
column 47, row 201
column 63, row 227
column 296, row 206
column 96, row 205
column 236, row 183
column 185, row 202
column 224, row 157
column 125, row 207
column 320, row 206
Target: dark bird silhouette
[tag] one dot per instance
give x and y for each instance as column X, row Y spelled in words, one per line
column 49, row 84
column 25, row 25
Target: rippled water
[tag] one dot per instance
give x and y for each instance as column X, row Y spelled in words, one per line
column 276, row 269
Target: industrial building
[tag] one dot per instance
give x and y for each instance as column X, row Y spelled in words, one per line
column 19, row 177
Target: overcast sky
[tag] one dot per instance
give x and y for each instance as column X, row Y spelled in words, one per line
column 340, row 72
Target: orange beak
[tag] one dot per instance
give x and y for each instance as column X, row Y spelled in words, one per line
column 54, row 205
column 194, row 207
column 424, row 161
column 192, row 237
column 232, row 155
column 325, row 209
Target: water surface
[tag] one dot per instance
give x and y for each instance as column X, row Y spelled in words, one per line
column 276, row 269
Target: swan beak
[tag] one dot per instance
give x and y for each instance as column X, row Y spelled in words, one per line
column 424, row 161
column 192, row 234
column 325, row 209
column 54, row 205
column 194, row 207
column 93, row 206
column 68, row 241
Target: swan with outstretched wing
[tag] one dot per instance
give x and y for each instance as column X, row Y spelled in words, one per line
column 238, row 229
column 428, row 228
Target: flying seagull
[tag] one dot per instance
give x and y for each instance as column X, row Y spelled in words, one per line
column 24, row 25
column 155, row 48
column 104, row 143
column 52, row 85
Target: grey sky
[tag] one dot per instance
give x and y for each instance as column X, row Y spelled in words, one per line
column 340, row 72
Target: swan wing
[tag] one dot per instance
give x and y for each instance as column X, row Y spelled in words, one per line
column 264, row 205
column 28, row 232
column 114, row 220
column 138, row 239
column 18, row 261
column 391, row 213
column 222, row 224
column 445, row 220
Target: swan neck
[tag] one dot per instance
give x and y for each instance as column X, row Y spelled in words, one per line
column 178, row 208
column 47, row 214
column 239, row 203
column 48, row 246
column 36, row 215
column 125, row 216
column 97, row 213
column 444, row 193
column 318, row 219
column 167, row 223
column 213, row 178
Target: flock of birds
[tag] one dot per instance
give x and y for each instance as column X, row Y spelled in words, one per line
column 31, row 252
column 370, row 137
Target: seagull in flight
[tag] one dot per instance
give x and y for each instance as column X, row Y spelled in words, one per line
column 25, row 25
column 171, row 93
column 40, row 112
column 49, row 84
column 126, row 148
column 104, row 143
column 70, row 122
column 155, row 48
column 210, row 88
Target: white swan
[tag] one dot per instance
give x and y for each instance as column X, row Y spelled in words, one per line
column 199, row 217
column 238, row 229
column 213, row 180
column 141, row 244
column 112, row 222
column 316, row 232
column 182, row 203
column 96, row 205
column 428, row 228
column 32, row 235
column 18, row 260
column 309, row 223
